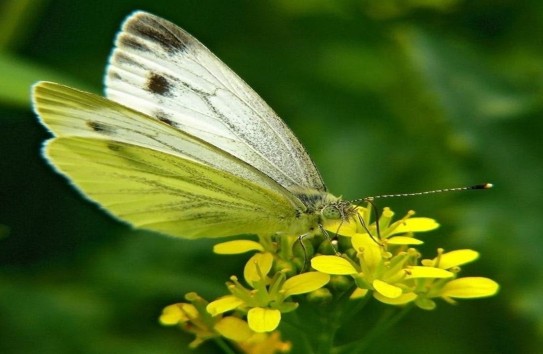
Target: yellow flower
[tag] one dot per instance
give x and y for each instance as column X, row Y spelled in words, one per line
column 451, row 259
column 224, row 304
column 237, row 247
column 257, row 268
column 266, row 298
column 178, row 314
column 333, row 265
column 263, row 319
column 234, row 328
column 249, row 342
column 192, row 318
column 355, row 257
column 383, row 265
column 469, row 288
column 265, row 343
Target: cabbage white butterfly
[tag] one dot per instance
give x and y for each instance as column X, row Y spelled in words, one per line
column 181, row 145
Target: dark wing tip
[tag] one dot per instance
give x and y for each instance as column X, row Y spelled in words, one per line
column 142, row 27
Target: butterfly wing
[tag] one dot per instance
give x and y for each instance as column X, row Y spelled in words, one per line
column 154, row 176
column 169, row 75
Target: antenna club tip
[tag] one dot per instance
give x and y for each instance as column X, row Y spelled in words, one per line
column 482, row 186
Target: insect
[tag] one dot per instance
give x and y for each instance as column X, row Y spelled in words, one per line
column 182, row 145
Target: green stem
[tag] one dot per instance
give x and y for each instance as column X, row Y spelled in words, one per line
column 224, row 346
column 359, row 305
column 296, row 325
column 332, row 319
column 387, row 321
column 325, row 337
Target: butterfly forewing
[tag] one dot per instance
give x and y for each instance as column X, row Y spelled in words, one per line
column 162, row 71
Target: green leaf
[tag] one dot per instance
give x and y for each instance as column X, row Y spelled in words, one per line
column 19, row 74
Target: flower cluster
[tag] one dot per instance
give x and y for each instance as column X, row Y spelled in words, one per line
column 193, row 318
column 351, row 260
column 385, row 263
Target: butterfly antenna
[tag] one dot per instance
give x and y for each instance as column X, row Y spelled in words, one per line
column 435, row 191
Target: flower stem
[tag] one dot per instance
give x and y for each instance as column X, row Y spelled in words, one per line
column 352, row 311
column 325, row 337
column 224, row 346
column 387, row 321
column 296, row 325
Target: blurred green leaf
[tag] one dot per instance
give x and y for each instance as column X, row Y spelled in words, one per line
column 461, row 80
column 16, row 19
column 498, row 123
column 18, row 75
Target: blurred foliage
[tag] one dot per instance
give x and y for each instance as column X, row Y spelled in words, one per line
column 388, row 96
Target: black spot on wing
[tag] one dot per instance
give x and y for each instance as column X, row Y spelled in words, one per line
column 164, row 118
column 100, row 127
column 154, row 29
column 114, row 147
column 158, row 84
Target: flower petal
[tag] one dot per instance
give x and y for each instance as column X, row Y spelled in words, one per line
column 415, row 225
column 470, row 287
column 259, row 265
column 223, row 304
column 456, row 258
column 233, row 328
column 340, row 227
column 400, row 300
column 425, row 303
column 358, row 293
column 305, row 283
column 403, row 240
column 265, row 343
column 332, row 265
column 237, row 247
column 427, row 272
column 263, row 319
column 178, row 313
column 386, row 289
column 372, row 252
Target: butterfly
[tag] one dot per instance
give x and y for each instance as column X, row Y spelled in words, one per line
column 182, row 145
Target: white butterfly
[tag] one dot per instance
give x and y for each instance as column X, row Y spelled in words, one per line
column 182, row 145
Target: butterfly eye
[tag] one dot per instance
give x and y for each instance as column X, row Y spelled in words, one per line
column 331, row 212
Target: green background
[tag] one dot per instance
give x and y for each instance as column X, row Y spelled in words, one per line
column 387, row 96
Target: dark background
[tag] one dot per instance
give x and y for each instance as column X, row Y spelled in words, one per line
column 387, row 96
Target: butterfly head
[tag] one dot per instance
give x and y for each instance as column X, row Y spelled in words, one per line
column 338, row 210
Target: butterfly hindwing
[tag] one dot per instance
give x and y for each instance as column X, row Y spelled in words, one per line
column 164, row 193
